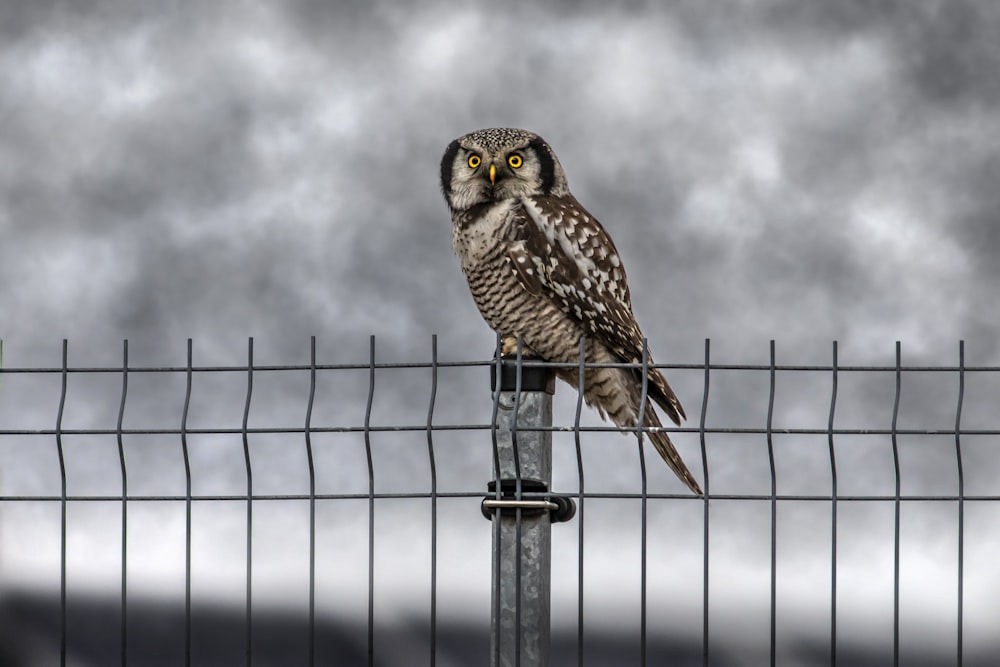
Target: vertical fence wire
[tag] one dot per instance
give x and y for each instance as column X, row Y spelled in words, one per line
column 434, row 498
column 312, row 502
column 249, row 471
column 774, row 505
column 705, row 505
column 640, row 422
column 896, row 506
column 498, row 494
column 579, row 500
column 62, row 505
column 121, row 461
column 961, row 499
column 371, row 502
column 187, row 507
column 518, row 491
column 833, row 512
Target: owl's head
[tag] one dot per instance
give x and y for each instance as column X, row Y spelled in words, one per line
column 500, row 163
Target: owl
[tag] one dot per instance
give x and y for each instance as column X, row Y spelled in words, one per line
column 542, row 269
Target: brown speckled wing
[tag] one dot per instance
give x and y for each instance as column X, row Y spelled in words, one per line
column 560, row 250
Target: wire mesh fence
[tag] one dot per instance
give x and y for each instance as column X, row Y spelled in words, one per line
column 792, row 457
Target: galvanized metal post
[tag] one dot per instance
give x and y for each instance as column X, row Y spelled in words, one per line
column 522, row 544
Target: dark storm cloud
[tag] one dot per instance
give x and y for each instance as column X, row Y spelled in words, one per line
column 951, row 51
column 166, row 186
column 769, row 167
column 23, row 21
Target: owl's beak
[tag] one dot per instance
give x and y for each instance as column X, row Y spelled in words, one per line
column 493, row 174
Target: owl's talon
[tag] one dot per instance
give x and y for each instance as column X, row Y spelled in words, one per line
column 508, row 348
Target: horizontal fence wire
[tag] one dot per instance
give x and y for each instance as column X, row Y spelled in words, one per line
column 309, row 429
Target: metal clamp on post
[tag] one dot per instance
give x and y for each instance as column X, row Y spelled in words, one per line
column 534, row 501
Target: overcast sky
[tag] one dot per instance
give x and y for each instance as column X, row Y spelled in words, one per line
column 788, row 170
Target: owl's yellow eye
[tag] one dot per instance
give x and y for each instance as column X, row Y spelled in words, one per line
column 475, row 161
column 515, row 161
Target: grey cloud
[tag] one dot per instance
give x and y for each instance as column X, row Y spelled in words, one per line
column 951, row 51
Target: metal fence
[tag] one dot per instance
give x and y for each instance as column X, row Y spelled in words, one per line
column 703, row 428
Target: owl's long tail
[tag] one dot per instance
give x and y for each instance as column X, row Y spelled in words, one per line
column 666, row 448
column 616, row 394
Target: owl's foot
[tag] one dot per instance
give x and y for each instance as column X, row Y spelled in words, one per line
column 508, row 348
